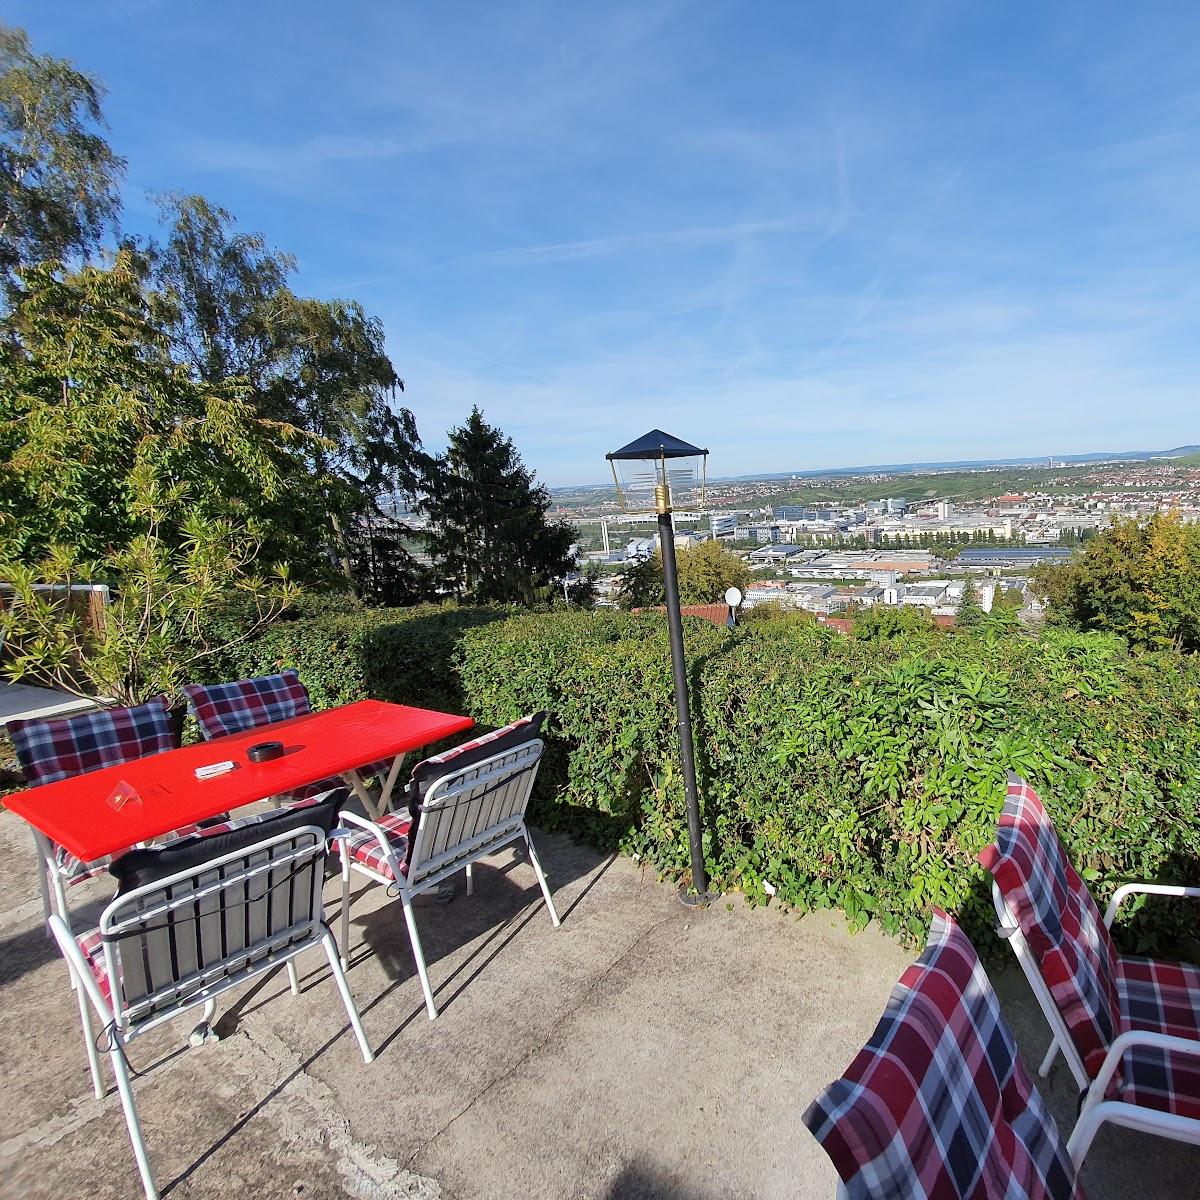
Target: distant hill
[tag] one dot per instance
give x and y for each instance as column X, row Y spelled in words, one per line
column 1189, row 455
column 982, row 464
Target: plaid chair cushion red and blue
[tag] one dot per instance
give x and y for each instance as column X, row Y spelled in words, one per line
column 1098, row 993
column 225, row 708
column 938, row 1103
column 364, row 847
column 52, row 750
column 1059, row 919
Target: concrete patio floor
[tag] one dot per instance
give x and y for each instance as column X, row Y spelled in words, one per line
column 641, row 1050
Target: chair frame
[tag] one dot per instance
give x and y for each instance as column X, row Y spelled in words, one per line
column 201, row 892
column 1095, row 1110
column 456, row 798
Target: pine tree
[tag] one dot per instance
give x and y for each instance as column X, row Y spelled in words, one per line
column 970, row 612
column 489, row 536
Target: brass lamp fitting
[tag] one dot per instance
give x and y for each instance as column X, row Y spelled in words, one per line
column 662, row 499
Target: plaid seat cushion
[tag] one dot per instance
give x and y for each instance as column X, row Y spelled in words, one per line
column 1060, row 921
column 52, row 750
column 91, row 945
column 75, row 870
column 1162, row 997
column 363, row 846
column 938, row 1102
column 224, row 708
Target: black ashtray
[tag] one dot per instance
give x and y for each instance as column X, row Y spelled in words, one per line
column 265, row 751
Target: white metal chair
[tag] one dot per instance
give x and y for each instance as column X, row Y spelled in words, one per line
column 181, row 941
column 467, row 813
column 1128, row 1027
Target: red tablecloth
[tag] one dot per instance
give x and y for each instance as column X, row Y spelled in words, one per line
column 78, row 813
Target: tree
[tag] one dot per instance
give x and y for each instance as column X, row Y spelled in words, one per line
column 1139, row 580
column 489, row 536
column 58, row 175
column 970, row 612
column 318, row 365
column 100, row 431
column 116, row 466
column 583, row 590
column 883, row 621
column 163, row 620
column 706, row 571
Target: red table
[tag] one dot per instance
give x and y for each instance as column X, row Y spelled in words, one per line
column 77, row 812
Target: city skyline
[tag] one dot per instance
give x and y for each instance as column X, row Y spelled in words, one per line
column 803, row 236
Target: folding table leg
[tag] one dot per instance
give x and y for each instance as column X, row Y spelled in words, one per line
column 374, row 809
column 43, row 882
column 389, row 784
column 355, row 784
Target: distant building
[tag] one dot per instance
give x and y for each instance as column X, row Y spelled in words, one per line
column 1011, row 558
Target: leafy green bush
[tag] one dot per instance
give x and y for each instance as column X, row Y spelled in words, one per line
column 405, row 655
column 855, row 773
column 863, row 775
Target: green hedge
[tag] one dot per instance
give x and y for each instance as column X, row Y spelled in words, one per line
column 850, row 773
column 863, row 775
column 344, row 653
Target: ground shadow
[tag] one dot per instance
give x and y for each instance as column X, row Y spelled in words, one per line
column 492, row 917
column 644, row 1181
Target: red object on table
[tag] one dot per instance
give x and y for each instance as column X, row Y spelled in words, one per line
column 83, row 814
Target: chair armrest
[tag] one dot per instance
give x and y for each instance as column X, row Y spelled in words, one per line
column 1094, row 1110
column 349, row 818
column 1130, row 1040
column 1148, row 889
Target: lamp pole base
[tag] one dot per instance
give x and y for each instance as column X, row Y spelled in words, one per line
column 690, row 899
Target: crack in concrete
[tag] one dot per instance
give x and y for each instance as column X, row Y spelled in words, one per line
column 543, row 1042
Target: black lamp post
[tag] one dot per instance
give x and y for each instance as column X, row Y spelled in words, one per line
column 652, row 463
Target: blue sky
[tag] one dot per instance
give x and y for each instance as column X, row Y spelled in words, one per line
column 804, row 235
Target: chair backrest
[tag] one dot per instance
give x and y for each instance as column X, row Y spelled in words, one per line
column 1059, row 921
column 222, row 708
column 471, row 808
column 52, row 750
column 210, row 926
column 938, row 1102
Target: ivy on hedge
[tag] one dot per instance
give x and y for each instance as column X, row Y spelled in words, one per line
column 858, row 774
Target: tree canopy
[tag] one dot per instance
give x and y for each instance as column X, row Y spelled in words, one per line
column 489, row 535
column 1139, row 580
column 178, row 422
column 706, row 571
column 58, row 174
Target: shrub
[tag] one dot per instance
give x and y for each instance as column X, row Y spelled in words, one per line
column 864, row 775
column 405, row 655
column 855, row 773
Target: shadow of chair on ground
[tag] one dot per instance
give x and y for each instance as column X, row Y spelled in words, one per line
column 645, row 1181
column 493, row 917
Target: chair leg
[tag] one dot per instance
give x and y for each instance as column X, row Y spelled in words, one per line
column 1051, row 1055
column 293, row 976
column 470, row 880
column 43, row 887
column 537, row 866
column 415, row 939
column 339, row 976
column 204, row 1033
column 345, row 943
column 89, row 1039
column 131, row 1120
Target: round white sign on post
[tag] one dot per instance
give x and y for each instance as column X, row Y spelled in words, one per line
column 733, row 597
